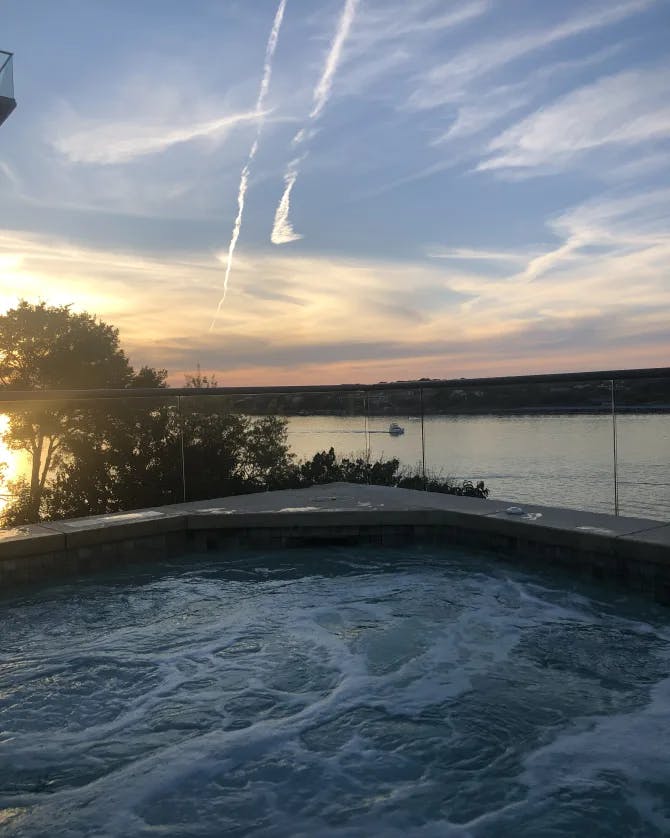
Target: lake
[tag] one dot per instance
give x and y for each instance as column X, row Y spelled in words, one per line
column 560, row 460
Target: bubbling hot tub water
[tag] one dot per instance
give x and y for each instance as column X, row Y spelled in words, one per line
column 338, row 692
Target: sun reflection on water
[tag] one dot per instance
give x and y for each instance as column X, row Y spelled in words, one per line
column 13, row 464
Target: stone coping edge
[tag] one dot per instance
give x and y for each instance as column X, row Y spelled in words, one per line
column 34, row 539
column 552, row 531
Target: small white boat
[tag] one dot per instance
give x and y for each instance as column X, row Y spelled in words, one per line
column 395, row 429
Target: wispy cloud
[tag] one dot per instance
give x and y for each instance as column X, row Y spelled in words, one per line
column 638, row 167
column 624, row 109
column 112, row 142
column 465, row 254
column 485, row 110
column 377, row 26
column 447, row 81
column 608, row 255
column 9, row 173
column 488, row 83
column 486, row 105
column 390, row 39
column 596, row 297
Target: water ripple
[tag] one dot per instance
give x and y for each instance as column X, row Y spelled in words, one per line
column 333, row 693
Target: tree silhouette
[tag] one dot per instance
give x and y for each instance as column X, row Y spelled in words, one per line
column 43, row 348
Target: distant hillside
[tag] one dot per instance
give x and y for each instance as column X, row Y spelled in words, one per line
column 553, row 397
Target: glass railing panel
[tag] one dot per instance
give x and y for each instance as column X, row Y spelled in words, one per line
column 395, row 432
column 236, row 444
column 643, row 447
column 547, row 444
column 6, row 75
column 550, row 444
column 84, row 457
column 320, row 421
column 215, row 442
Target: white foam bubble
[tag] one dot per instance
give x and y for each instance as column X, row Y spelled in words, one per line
column 342, row 676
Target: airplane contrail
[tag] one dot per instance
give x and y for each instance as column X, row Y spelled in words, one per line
column 323, row 88
column 282, row 230
column 244, row 177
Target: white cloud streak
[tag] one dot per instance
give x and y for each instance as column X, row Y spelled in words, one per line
column 282, row 230
column 244, row 177
column 390, row 38
column 118, row 142
column 446, row 82
column 465, row 254
column 624, row 109
column 380, row 26
column 489, row 83
column 483, row 108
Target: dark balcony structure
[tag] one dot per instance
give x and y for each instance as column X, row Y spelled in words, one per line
column 7, row 100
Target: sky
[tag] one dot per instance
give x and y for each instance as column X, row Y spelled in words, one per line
column 437, row 188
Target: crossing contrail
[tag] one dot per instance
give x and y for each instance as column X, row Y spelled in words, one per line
column 282, row 230
column 244, row 177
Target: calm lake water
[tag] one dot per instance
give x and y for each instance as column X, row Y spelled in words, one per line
column 554, row 460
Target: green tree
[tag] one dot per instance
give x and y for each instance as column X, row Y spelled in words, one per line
column 51, row 347
column 200, row 381
column 149, row 377
column 122, row 455
column 44, row 348
column 131, row 457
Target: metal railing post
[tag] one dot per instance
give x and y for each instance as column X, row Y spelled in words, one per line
column 367, row 429
column 181, row 447
column 423, row 443
column 615, row 453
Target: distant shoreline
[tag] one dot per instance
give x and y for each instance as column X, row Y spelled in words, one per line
column 516, row 411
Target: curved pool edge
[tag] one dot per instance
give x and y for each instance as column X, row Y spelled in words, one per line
column 630, row 552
